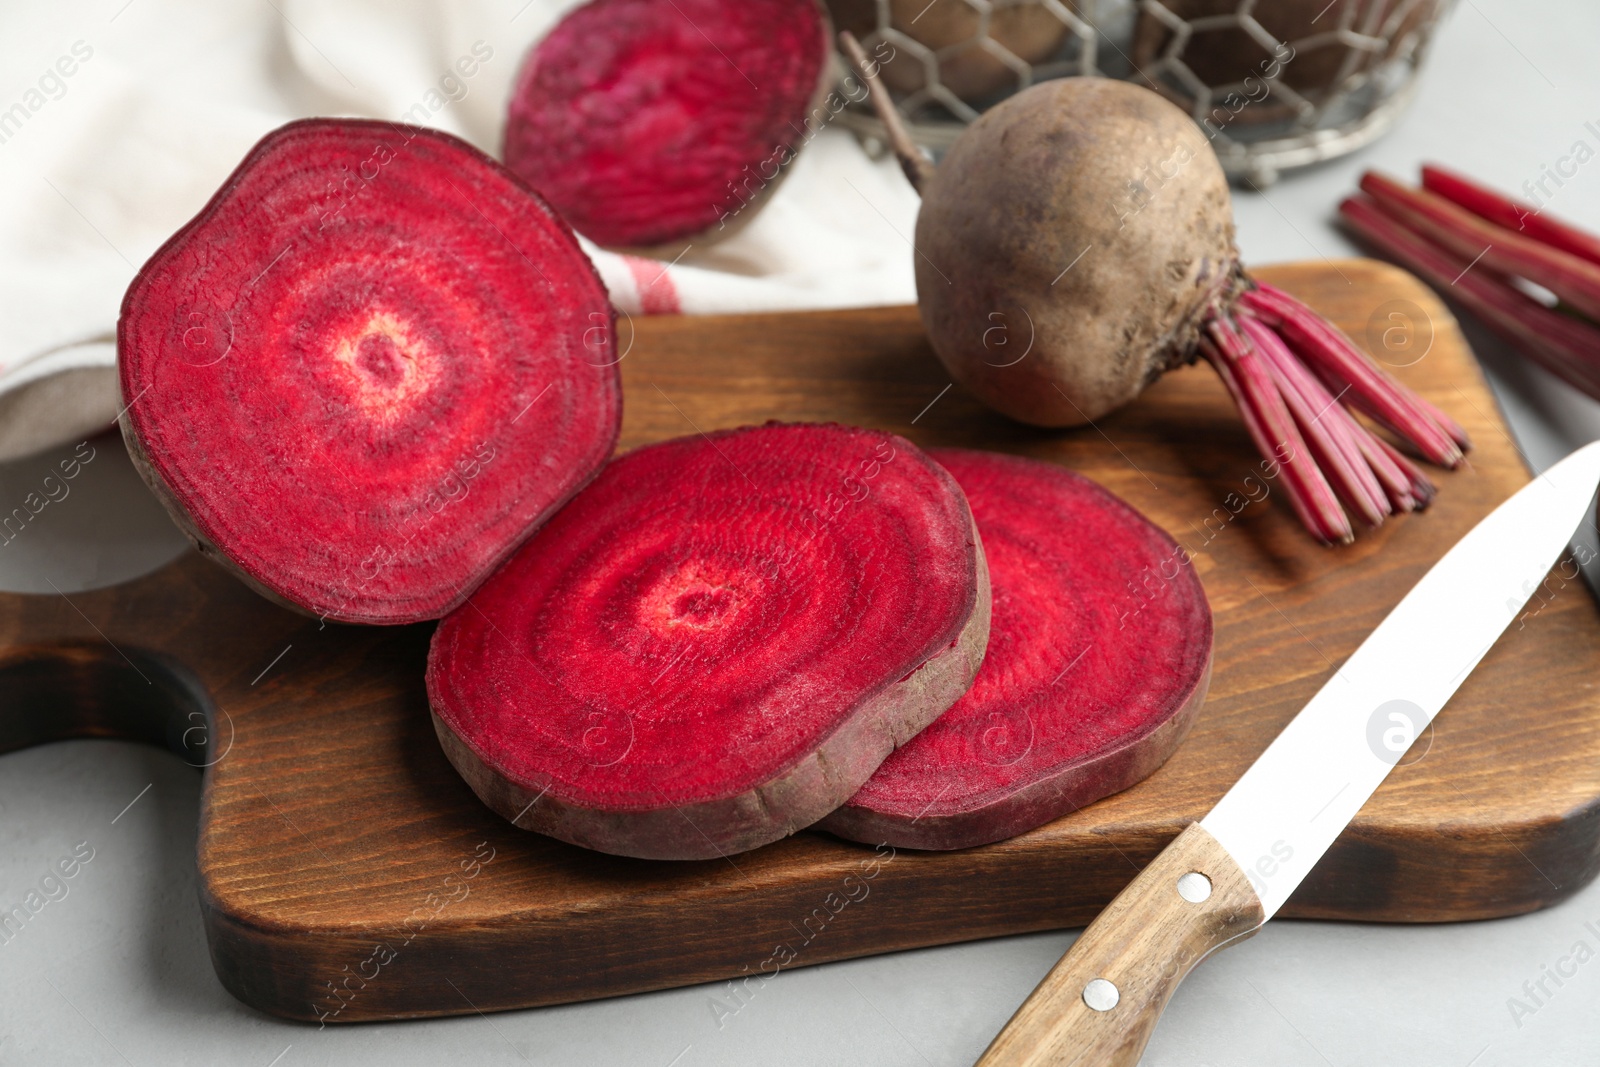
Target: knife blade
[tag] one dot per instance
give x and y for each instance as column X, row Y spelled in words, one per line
column 1222, row 878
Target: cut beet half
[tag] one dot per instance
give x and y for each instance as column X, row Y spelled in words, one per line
column 1099, row 658
column 659, row 122
column 368, row 370
column 717, row 642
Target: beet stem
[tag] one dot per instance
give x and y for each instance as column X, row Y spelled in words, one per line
column 1422, row 488
column 1459, row 232
column 1271, row 426
column 1511, row 214
column 1337, row 358
column 1566, row 346
column 912, row 161
column 1319, row 416
column 1396, row 484
column 1406, row 487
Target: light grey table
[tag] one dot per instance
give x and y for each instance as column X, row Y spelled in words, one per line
column 117, row 971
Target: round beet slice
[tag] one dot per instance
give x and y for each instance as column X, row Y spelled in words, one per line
column 717, row 642
column 1098, row 660
column 654, row 122
column 368, row 370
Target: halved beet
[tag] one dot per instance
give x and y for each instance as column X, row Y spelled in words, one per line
column 368, row 370
column 652, row 122
column 1098, row 660
column 717, row 642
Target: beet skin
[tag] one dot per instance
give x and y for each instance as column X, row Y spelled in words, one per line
column 1086, row 222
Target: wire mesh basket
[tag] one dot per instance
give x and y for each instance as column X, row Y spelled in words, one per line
column 1275, row 84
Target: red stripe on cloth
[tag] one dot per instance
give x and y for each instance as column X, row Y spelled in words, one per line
column 657, row 293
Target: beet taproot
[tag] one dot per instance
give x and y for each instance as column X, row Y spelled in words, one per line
column 993, row 234
column 717, row 642
column 1076, row 243
column 660, row 123
column 1099, row 657
column 368, row 370
column 964, row 41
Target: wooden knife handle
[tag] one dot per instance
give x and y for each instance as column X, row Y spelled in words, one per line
column 1099, row 1005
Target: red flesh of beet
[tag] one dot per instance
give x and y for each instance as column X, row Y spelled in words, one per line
column 647, row 122
column 1098, row 659
column 717, row 642
column 368, row 369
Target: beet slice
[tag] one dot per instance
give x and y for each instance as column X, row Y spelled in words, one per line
column 654, row 122
column 368, row 370
column 717, row 642
column 1098, row 660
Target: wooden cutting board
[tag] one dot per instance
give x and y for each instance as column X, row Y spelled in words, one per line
column 346, row 872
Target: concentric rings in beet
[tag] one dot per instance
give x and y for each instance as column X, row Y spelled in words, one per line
column 1099, row 658
column 648, row 123
column 368, row 369
column 717, row 642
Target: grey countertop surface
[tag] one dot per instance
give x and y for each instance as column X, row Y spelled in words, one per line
column 117, row 970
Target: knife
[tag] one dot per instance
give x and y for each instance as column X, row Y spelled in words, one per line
column 1223, row 877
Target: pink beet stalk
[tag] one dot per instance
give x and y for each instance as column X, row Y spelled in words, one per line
column 1273, row 429
column 1511, row 214
column 1421, row 488
column 1396, row 484
column 1319, row 418
column 1336, row 358
column 1566, row 346
column 1456, row 230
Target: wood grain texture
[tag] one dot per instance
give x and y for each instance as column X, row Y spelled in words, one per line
column 348, row 873
column 1146, row 942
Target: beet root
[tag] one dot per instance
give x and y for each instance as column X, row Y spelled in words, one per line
column 717, row 642
column 1099, row 657
column 1076, row 242
column 654, row 125
column 1085, row 214
column 330, row 405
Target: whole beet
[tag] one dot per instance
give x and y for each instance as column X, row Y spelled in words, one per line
column 1086, row 223
column 1077, row 242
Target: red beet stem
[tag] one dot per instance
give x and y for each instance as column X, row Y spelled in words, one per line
column 1337, row 359
column 1396, row 486
column 1272, row 428
column 1512, row 214
column 1405, row 486
column 1421, row 487
column 1566, row 346
column 912, row 161
column 1450, row 426
column 1318, row 415
column 1576, row 281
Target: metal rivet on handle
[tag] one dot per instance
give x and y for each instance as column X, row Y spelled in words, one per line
column 1101, row 995
column 1194, row 887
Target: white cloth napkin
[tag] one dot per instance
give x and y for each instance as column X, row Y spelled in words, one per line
column 119, row 119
